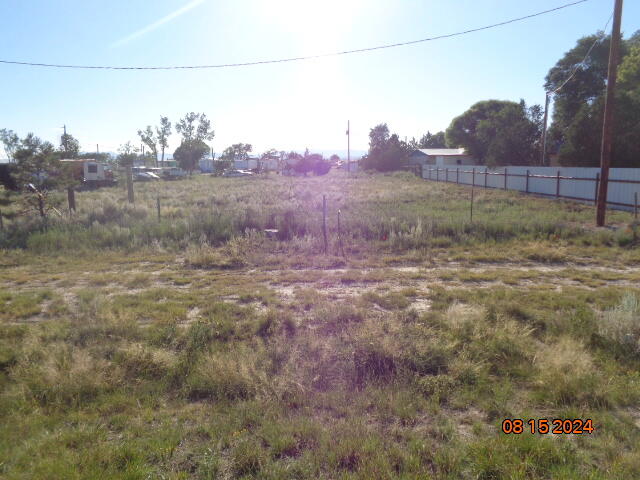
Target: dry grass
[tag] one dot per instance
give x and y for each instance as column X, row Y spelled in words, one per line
column 196, row 347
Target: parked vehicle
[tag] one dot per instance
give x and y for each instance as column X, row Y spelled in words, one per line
column 145, row 176
column 173, row 173
column 237, row 173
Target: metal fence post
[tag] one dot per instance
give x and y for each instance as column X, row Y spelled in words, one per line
column 457, row 174
column 558, row 185
column 446, row 174
column 506, row 175
column 473, row 176
column 635, row 205
column 486, row 175
column 1, row 224
column 527, row 183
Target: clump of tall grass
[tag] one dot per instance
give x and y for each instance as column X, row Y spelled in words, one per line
column 230, row 376
column 622, row 323
column 566, row 375
column 63, row 377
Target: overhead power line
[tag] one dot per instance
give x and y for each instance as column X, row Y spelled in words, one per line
column 600, row 37
column 295, row 59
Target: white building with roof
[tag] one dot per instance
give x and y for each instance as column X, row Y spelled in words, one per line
column 441, row 157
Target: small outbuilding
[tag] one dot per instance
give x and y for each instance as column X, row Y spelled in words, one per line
column 441, row 157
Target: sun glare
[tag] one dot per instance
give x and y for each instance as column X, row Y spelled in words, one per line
column 306, row 19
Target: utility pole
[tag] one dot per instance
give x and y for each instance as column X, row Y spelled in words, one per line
column 63, row 140
column 348, row 148
column 544, row 129
column 607, row 127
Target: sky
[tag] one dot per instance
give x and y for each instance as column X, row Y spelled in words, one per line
column 287, row 106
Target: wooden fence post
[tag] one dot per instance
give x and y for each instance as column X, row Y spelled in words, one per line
column 1, row 224
column 158, row 205
column 129, row 175
column 558, row 185
column 635, row 206
column 457, row 174
column 340, row 237
column 527, row 183
column 471, row 211
column 595, row 196
column 324, row 222
column 486, row 174
column 71, row 199
column 506, row 175
column 446, row 174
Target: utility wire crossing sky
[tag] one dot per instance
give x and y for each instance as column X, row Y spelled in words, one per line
column 499, row 49
column 195, row 3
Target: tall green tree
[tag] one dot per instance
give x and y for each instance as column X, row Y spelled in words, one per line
column 10, row 141
column 432, row 140
column 237, row 151
column 629, row 71
column 127, row 153
column 148, row 137
column 163, row 133
column 386, row 152
column 189, row 154
column 37, row 162
column 195, row 129
column 498, row 132
column 69, row 146
column 576, row 130
column 378, row 137
column 195, row 126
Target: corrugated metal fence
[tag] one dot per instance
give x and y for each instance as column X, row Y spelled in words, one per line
column 575, row 183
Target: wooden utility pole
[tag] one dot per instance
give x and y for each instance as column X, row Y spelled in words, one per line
column 129, row 175
column 348, row 148
column 544, row 129
column 607, row 127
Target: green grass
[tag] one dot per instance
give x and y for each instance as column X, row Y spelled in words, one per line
column 195, row 347
column 398, row 211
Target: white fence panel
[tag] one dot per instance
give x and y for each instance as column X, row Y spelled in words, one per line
column 581, row 184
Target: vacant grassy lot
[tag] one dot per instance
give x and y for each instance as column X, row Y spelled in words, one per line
column 195, row 347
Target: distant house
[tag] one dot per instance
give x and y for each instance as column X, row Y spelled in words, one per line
column 206, row 165
column 270, row 163
column 248, row 163
column 352, row 166
column 441, row 157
